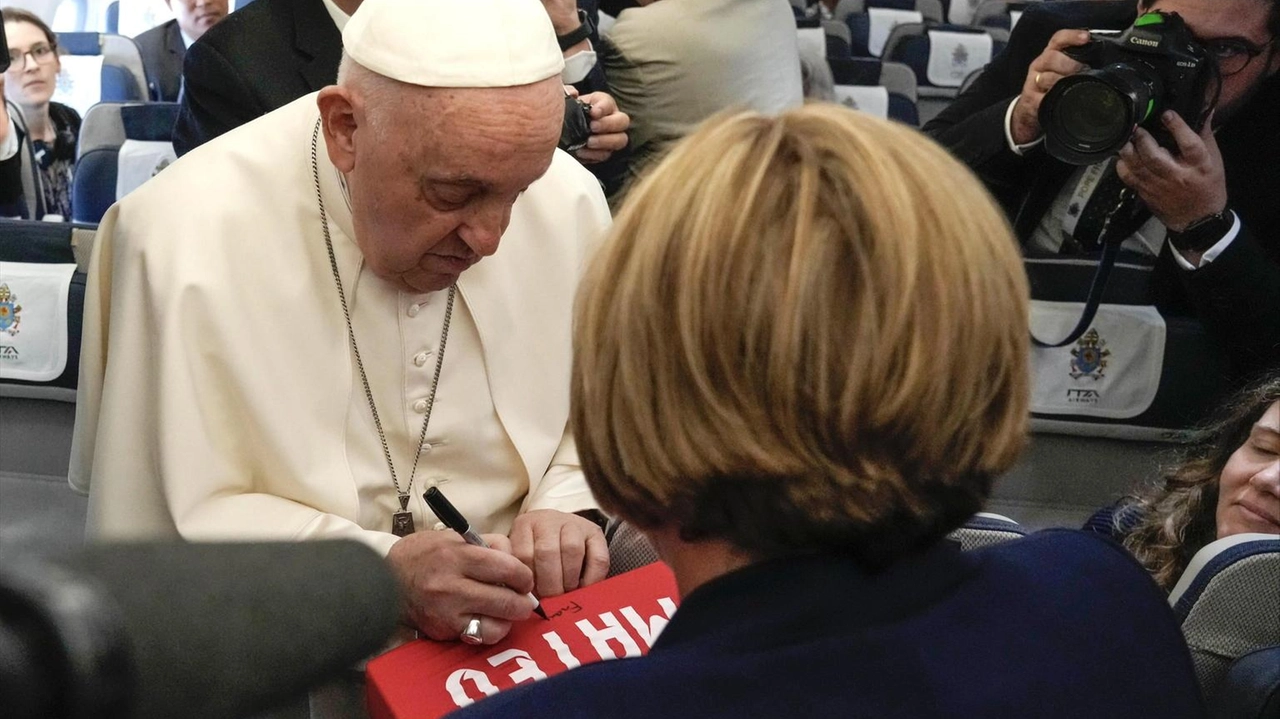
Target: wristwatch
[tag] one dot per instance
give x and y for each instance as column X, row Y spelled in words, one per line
column 1204, row 232
column 577, row 35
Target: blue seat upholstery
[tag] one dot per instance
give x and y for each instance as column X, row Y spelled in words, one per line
column 123, row 77
column 1251, row 689
column 105, row 129
column 112, row 23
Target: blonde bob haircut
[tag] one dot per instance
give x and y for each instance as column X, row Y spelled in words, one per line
column 807, row 332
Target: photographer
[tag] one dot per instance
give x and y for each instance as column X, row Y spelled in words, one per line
column 1214, row 194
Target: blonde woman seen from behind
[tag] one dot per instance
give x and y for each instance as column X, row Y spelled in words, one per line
column 799, row 363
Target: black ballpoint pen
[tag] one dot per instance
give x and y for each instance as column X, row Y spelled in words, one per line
column 454, row 520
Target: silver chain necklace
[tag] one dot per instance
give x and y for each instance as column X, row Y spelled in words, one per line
column 402, row 521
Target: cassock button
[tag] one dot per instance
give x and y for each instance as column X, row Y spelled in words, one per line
column 426, row 447
column 420, row 359
column 420, row 406
column 439, row 527
column 414, row 309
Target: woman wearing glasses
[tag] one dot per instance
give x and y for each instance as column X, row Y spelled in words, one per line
column 37, row 137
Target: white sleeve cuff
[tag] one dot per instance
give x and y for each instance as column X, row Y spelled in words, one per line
column 1212, row 253
column 578, row 65
column 10, row 146
column 1008, row 132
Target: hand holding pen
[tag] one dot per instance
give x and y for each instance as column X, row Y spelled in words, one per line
column 454, row 520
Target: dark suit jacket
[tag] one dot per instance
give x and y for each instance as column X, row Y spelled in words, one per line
column 261, row 57
column 162, row 53
column 1061, row 624
column 264, row 56
column 1237, row 296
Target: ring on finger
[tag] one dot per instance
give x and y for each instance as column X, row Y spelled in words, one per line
column 1037, row 82
column 471, row 635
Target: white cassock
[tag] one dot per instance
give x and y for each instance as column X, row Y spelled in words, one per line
column 218, row 394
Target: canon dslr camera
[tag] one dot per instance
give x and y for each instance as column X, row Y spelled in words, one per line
column 1154, row 66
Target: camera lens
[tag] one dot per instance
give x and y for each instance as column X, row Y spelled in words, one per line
column 1093, row 113
column 1089, row 116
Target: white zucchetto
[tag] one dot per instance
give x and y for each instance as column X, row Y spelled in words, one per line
column 455, row 43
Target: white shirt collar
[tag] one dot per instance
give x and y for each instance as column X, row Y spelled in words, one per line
column 187, row 40
column 339, row 18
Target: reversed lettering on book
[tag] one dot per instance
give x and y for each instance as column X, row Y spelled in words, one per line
column 609, row 635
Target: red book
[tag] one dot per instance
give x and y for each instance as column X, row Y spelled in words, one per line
column 619, row 617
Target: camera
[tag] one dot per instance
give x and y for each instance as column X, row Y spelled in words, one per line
column 577, row 124
column 1155, row 65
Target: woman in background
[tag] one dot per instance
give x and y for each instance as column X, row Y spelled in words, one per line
column 799, row 363
column 1227, row 483
column 46, row 131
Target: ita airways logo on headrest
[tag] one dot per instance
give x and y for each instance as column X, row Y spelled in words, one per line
column 960, row 57
column 10, row 311
column 1089, row 358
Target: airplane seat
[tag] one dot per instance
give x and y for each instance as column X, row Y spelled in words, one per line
column 1228, row 603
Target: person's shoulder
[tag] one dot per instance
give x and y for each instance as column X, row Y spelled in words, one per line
column 1069, row 562
column 589, row 692
column 566, row 180
column 154, row 37
column 64, row 116
column 1094, row 14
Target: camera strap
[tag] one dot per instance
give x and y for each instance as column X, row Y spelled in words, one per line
column 1111, row 238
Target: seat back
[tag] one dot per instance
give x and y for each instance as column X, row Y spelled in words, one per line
column 997, row 13
column 112, row 21
column 1228, row 602
column 121, row 146
column 36, row 417
column 942, row 56
column 839, row 40
column 628, row 547
column 121, row 77
column 985, row 529
column 885, row 89
column 1251, row 689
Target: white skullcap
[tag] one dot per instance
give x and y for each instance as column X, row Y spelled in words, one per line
column 455, row 43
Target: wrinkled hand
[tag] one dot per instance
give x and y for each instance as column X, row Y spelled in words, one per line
column 445, row 582
column 1046, row 70
column 564, row 15
column 564, row 551
column 608, row 128
column 1178, row 188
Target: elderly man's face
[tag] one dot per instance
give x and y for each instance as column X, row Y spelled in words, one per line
column 433, row 194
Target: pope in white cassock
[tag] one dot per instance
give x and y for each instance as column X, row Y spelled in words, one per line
column 293, row 330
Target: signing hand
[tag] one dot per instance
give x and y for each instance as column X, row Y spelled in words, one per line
column 608, row 128
column 564, row 551
column 446, row 582
column 1179, row 189
column 1046, row 70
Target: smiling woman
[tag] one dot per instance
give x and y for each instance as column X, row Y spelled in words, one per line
column 45, row 132
column 1227, row 484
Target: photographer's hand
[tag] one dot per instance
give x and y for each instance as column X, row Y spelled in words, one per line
column 1045, row 71
column 1178, row 188
column 608, row 128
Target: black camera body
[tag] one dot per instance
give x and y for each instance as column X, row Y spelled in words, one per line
column 1155, row 65
column 577, row 124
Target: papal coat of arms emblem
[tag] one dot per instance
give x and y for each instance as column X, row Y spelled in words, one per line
column 10, row 311
column 960, row 56
column 1089, row 357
